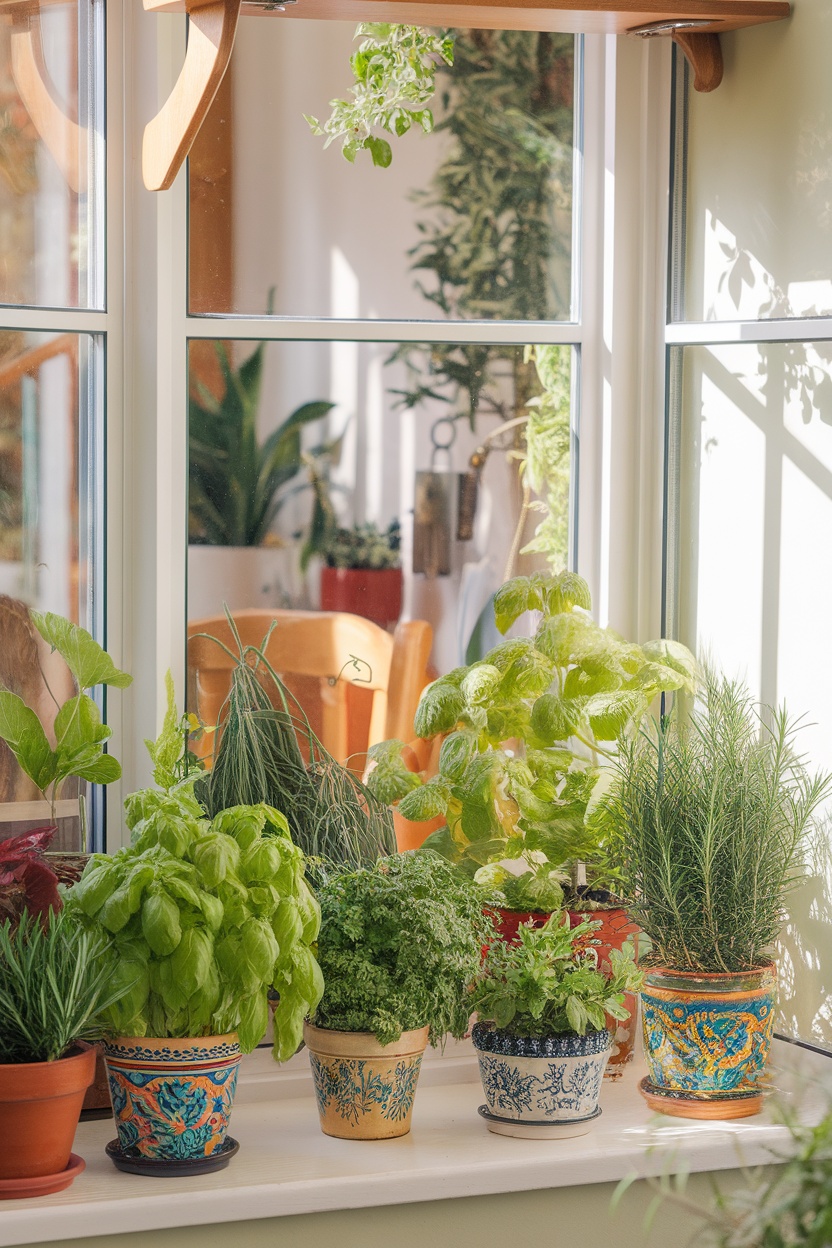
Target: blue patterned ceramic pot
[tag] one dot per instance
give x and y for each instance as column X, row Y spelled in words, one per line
column 364, row 1089
column 172, row 1098
column 555, row 1079
column 708, row 1035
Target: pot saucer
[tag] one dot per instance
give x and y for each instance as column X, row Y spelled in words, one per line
column 42, row 1184
column 540, row 1129
column 165, row 1168
column 721, row 1107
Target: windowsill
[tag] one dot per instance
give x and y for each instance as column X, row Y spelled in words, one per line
column 287, row 1166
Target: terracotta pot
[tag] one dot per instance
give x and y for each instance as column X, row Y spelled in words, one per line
column 374, row 593
column 172, row 1099
column 40, row 1104
column 616, row 929
column 364, row 1089
column 507, row 922
column 412, row 833
column 707, row 1038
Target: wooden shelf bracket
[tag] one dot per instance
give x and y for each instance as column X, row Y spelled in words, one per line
column 701, row 47
column 66, row 140
column 170, row 135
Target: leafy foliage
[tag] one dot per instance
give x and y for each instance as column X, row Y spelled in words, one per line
column 400, row 943
column 55, row 987
column 548, row 445
column 235, row 482
column 394, row 71
column 258, row 758
column 709, row 817
column 549, row 983
column 200, row 919
column 364, row 546
column 171, row 755
column 27, row 882
column 80, row 735
column 569, row 695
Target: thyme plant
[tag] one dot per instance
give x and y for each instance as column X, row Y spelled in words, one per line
column 709, row 816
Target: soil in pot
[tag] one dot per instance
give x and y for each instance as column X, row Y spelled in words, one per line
column 364, row 1089
column 707, row 1039
column 40, row 1104
column 172, row 1099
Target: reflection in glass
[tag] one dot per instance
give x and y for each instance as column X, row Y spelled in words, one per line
column 51, row 154
column 292, row 441
column 473, row 221
column 755, row 525
column 51, row 498
column 759, row 182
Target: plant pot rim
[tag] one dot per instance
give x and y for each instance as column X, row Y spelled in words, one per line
column 661, row 968
column 72, row 1056
column 228, row 1037
column 330, row 1042
column 490, row 1039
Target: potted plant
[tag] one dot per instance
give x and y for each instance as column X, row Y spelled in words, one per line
column 362, row 572
column 55, row 987
column 236, row 488
column 400, row 943
column 542, row 1005
column 530, row 735
column 27, row 881
column 201, row 918
column 710, row 814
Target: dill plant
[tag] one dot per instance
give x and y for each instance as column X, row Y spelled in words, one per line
column 710, row 817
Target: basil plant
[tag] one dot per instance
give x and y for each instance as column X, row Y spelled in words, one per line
column 530, row 735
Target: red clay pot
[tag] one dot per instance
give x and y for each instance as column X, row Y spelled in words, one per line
column 374, row 593
column 506, row 922
column 616, row 928
column 40, row 1104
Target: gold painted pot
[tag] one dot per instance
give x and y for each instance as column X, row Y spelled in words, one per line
column 364, row 1089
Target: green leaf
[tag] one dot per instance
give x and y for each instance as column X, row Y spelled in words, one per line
column 161, row 927
column 515, row 598
column 610, row 714
column 456, row 753
column 674, row 655
column 439, row 709
column 427, row 802
column 555, row 718
column 89, row 664
column 567, row 590
column 23, row 733
column 480, row 682
column 380, row 150
column 166, row 751
column 102, row 770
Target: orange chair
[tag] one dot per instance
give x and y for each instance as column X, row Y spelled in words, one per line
column 350, row 708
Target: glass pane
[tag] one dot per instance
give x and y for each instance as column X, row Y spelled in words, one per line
column 376, row 457
column 471, row 221
column 759, row 193
column 52, row 155
column 51, row 504
column 755, row 519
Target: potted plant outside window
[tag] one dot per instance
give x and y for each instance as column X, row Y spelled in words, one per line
column 400, row 944
column 542, row 1004
column 362, row 572
column 55, row 986
column 530, row 735
column 710, row 814
column 201, row 918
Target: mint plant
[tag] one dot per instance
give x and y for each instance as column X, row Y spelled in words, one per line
column 530, row 733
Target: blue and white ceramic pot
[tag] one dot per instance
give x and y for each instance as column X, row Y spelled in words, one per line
column 172, row 1098
column 364, row 1089
column 556, row 1079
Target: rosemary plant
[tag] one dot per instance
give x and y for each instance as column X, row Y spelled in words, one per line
column 710, row 817
column 55, row 985
column 267, row 752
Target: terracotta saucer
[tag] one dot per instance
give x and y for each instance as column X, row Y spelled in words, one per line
column 164, row 1168
column 42, row 1184
column 722, row 1107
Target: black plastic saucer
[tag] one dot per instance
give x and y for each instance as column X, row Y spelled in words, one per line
column 166, row 1168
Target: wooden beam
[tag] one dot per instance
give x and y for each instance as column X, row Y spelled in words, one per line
column 704, row 53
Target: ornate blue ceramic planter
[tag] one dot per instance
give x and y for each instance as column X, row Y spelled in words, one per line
column 556, row 1079
column 172, row 1098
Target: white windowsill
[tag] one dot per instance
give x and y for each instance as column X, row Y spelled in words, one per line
column 287, row 1166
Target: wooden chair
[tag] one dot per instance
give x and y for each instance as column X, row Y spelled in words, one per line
column 350, row 708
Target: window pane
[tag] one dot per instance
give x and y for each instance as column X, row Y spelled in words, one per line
column 373, row 459
column 759, row 193
column 755, row 522
column 471, row 221
column 51, row 183
column 51, row 503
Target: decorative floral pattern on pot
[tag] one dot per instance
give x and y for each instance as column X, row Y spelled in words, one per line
column 172, row 1099
column 562, row 1084
column 713, row 1038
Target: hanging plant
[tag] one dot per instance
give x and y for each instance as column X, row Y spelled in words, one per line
column 395, row 78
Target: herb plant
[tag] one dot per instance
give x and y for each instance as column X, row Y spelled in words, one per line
column 27, row 882
column 548, row 984
column 55, row 987
column 236, row 484
column 394, row 71
column 79, row 733
column 400, row 944
column 710, row 816
column 364, row 546
column 569, row 696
